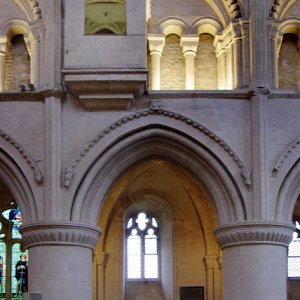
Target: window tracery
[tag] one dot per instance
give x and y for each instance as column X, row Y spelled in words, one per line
column 142, row 241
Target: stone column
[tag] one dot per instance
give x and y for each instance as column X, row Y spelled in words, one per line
column 221, row 56
column 274, row 42
column 101, row 260
column 189, row 46
column 245, row 28
column 2, row 61
column 156, row 45
column 254, row 260
column 212, row 277
column 60, row 259
column 259, row 51
column 237, row 55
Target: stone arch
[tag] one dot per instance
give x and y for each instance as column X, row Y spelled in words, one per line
column 157, row 143
column 173, row 25
column 207, row 25
column 288, row 194
column 16, row 181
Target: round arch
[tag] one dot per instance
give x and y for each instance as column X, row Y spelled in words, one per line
column 164, row 144
column 20, row 188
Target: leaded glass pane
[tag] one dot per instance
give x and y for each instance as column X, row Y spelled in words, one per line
column 294, row 256
column 134, row 257
column 142, row 221
column 154, row 223
column 151, row 266
column 150, row 243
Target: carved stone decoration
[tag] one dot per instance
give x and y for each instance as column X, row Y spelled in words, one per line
column 60, row 233
column 286, row 153
column 278, row 7
column 234, row 8
column 38, row 176
column 254, row 232
column 156, row 109
column 31, row 9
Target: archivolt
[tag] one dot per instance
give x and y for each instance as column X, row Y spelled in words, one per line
column 152, row 112
column 17, row 183
column 162, row 144
column 288, row 193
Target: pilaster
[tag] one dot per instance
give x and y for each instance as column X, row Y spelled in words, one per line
column 101, row 260
column 213, row 278
column 258, row 35
column 156, row 44
column 260, row 144
column 53, row 151
column 189, row 46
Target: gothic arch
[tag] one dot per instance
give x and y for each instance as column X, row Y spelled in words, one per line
column 16, row 181
column 157, row 143
column 288, row 194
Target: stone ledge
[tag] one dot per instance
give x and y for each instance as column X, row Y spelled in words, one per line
column 106, row 89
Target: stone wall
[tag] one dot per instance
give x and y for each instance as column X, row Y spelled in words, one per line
column 17, row 64
column 172, row 65
column 206, row 64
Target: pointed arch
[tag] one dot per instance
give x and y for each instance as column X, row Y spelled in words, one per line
column 16, row 181
column 164, row 144
column 288, row 194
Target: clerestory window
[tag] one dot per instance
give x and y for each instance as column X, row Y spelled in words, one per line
column 142, row 247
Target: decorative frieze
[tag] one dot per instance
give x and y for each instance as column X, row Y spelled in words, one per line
column 60, row 233
column 254, row 232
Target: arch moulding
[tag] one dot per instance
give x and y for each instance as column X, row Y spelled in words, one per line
column 18, row 185
column 156, row 144
column 156, row 110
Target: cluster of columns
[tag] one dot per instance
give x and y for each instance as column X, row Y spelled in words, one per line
column 233, row 51
column 189, row 46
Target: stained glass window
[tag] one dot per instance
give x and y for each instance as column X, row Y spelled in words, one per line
column 294, row 254
column 11, row 250
column 142, row 259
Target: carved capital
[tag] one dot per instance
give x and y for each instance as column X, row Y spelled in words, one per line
column 211, row 262
column 60, row 233
column 189, row 44
column 156, row 43
column 254, row 232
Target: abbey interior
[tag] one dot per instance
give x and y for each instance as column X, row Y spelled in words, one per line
column 149, row 149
